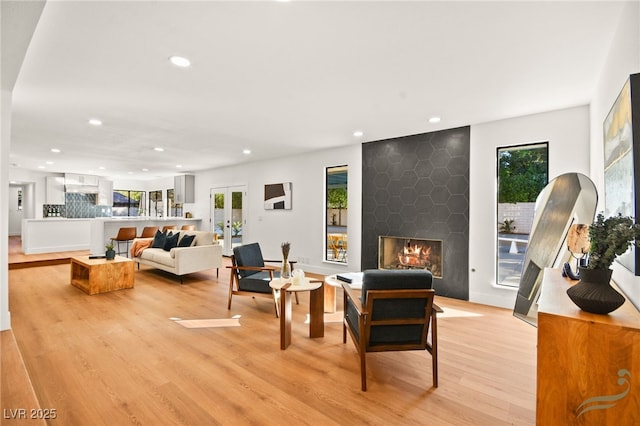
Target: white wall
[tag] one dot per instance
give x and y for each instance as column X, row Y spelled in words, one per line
column 5, row 137
column 14, row 214
column 623, row 60
column 567, row 132
column 303, row 225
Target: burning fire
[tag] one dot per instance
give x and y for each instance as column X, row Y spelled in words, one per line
column 416, row 256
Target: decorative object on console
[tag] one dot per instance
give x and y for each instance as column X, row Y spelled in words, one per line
column 569, row 198
column 285, row 272
column 621, row 131
column 110, row 253
column 578, row 244
column 610, row 238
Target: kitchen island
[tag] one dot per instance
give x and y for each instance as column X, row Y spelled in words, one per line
column 56, row 234
column 103, row 229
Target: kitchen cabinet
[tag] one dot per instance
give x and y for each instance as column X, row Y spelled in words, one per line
column 184, row 189
column 77, row 179
column 105, row 192
column 54, row 190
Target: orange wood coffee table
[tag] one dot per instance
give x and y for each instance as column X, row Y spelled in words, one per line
column 100, row 275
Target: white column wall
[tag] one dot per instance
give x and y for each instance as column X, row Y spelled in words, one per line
column 5, row 137
column 567, row 132
column 623, row 60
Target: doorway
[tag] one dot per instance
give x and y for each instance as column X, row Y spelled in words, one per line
column 228, row 218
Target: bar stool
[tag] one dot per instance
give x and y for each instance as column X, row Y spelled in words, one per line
column 169, row 227
column 126, row 235
column 149, row 231
column 188, row 228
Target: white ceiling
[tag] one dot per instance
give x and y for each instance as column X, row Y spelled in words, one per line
column 283, row 78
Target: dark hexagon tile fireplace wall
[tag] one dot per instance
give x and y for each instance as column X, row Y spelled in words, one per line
column 418, row 187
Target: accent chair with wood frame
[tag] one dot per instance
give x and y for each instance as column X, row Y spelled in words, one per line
column 250, row 275
column 394, row 312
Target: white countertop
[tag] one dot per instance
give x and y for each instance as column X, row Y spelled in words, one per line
column 116, row 219
column 145, row 219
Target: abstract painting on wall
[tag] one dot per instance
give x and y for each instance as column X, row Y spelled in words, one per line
column 277, row 196
column 621, row 130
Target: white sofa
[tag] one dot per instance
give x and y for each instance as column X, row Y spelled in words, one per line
column 203, row 254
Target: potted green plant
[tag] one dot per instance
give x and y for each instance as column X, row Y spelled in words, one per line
column 609, row 238
column 110, row 253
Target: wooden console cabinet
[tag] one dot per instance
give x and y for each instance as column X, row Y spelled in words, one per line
column 588, row 364
column 100, row 275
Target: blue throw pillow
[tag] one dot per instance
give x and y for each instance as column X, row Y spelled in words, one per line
column 186, row 240
column 171, row 241
column 159, row 239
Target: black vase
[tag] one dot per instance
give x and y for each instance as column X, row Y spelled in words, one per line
column 110, row 254
column 593, row 293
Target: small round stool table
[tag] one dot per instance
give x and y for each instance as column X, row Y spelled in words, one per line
column 316, row 307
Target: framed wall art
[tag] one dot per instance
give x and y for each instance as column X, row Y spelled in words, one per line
column 277, row 196
column 621, row 161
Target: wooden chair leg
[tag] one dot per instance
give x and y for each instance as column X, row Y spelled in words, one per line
column 230, row 290
column 363, row 370
column 434, row 349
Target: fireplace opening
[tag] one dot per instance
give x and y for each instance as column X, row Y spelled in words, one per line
column 410, row 253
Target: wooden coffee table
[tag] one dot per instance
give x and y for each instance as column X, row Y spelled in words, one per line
column 100, row 275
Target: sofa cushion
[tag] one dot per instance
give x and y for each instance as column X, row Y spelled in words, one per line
column 158, row 255
column 171, row 241
column 186, row 241
column 203, row 238
column 159, row 239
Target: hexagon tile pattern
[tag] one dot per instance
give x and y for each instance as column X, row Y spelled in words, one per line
column 418, row 187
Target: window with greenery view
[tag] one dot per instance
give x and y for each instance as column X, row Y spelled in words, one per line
column 155, row 203
column 173, row 209
column 523, row 171
column 336, row 206
column 126, row 202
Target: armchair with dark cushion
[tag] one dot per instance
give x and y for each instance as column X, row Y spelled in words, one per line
column 250, row 276
column 394, row 312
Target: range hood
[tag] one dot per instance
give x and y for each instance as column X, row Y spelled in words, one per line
column 83, row 184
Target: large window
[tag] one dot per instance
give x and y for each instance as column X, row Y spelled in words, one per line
column 336, row 214
column 127, row 203
column 174, row 209
column 155, row 203
column 522, row 173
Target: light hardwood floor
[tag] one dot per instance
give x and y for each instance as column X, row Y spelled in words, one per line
column 118, row 358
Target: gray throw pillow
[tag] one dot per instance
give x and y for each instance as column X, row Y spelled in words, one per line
column 186, row 241
column 171, row 241
column 159, row 239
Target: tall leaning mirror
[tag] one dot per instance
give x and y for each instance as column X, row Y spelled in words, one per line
column 569, row 198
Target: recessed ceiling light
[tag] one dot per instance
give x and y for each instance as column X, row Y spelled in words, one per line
column 358, row 133
column 95, row 122
column 41, row 167
column 129, row 173
column 159, row 149
column 101, row 168
column 434, row 120
column 49, row 162
column 178, row 166
column 56, row 150
column 180, row 61
column 246, row 151
column 145, row 170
